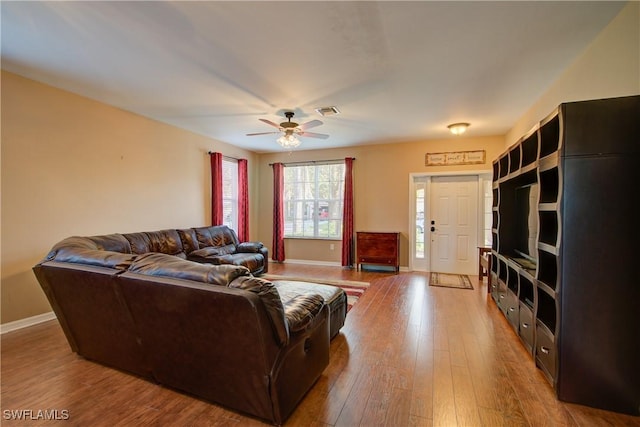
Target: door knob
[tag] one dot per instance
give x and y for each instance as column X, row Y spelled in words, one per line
column 433, row 229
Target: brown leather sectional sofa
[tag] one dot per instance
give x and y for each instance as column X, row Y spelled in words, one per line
column 137, row 303
column 213, row 245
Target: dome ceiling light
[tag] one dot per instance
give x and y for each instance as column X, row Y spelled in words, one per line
column 458, row 128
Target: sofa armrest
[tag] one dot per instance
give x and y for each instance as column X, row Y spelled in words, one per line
column 249, row 247
column 270, row 298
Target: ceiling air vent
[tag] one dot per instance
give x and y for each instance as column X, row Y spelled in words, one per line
column 327, row 111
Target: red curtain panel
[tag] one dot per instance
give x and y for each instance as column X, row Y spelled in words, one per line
column 347, row 215
column 216, row 189
column 243, row 201
column 278, row 212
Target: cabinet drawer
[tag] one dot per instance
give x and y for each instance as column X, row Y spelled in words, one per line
column 546, row 352
column 494, row 287
column 526, row 326
column 380, row 237
column 502, row 297
column 512, row 310
column 376, row 260
column 377, row 248
column 502, row 302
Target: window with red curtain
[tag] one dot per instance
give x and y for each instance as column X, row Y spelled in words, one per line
column 348, row 257
column 216, row 189
column 313, row 202
column 243, row 201
column 278, row 212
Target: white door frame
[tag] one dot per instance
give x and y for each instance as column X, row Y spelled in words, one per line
column 486, row 174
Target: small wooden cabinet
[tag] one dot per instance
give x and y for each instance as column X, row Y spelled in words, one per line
column 378, row 248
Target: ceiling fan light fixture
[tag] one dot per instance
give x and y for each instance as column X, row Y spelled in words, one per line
column 291, row 131
column 288, row 141
column 458, row 128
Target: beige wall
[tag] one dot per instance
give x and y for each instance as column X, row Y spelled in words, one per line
column 381, row 188
column 609, row 67
column 73, row 166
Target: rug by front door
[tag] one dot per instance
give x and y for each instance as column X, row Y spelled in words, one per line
column 446, row 280
column 352, row 288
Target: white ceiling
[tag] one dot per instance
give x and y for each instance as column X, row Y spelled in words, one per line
column 398, row 71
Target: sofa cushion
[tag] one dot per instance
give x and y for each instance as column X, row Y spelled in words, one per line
column 189, row 240
column 163, row 241
column 289, row 289
column 226, row 249
column 219, row 235
column 157, row 264
column 249, row 247
column 210, row 251
column 252, row 261
column 95, row 257
column 334, row 297
column 270, row 298
column 111, row 242
column 301, row 310
column 208, row 255
column 166, row 242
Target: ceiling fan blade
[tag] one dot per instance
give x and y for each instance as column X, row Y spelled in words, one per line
column 314, row 135
column 311, row 124
column 269, row 122
column 262, row 133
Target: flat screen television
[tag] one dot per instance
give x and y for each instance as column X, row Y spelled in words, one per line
column 526, row 222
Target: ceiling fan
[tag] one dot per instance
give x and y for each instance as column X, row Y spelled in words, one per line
column 291, row 130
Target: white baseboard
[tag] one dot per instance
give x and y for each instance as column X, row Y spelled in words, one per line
column 24, row 323
column 325, row 263
column 311, row 262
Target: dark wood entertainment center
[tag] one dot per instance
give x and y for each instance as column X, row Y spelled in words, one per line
column 575, row 303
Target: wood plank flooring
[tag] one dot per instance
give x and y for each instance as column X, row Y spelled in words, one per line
column 409, row 355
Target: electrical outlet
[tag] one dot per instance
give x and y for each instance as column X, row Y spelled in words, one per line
column 332, row 246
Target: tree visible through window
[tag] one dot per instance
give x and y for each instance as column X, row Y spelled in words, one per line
column 313, row 200
column 230, row 193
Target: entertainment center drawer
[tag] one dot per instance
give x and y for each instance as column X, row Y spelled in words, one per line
column 502, row 297
column 526, row 326
column 494, row 287
column 512, row 311
column 546, row 352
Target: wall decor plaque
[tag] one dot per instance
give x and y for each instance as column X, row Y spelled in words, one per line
column 455, row 158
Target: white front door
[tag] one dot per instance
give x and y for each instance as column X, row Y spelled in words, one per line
column 453, row 224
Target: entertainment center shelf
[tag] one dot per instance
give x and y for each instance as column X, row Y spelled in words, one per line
column 564, row 245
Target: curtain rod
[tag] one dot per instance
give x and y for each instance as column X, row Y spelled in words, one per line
column 312, row 162
column 223, row 156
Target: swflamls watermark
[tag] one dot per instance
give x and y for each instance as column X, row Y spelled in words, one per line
column 35, row 414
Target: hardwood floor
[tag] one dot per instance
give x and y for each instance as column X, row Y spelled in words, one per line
column 409, row 355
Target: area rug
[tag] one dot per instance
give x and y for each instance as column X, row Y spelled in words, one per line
column 352, row 288
column 445, row 280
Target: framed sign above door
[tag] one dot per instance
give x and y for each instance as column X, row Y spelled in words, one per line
column 450, row 158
